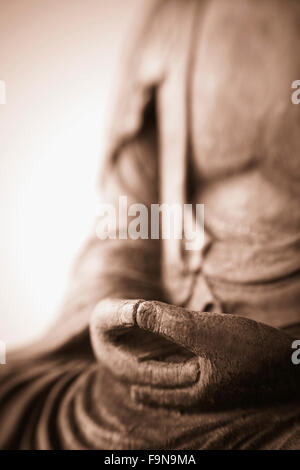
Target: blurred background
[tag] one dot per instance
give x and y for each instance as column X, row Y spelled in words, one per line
column 59, row 60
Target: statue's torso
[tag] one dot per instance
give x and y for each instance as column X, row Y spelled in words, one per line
column 245, row 154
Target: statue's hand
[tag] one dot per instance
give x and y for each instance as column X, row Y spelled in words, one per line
column 221, row 355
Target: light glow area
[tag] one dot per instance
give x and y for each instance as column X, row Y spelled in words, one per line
column 58, row 61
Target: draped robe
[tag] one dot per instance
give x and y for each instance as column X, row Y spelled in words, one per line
column 151, row 351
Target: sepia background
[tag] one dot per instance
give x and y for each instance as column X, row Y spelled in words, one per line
column 59, row 60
